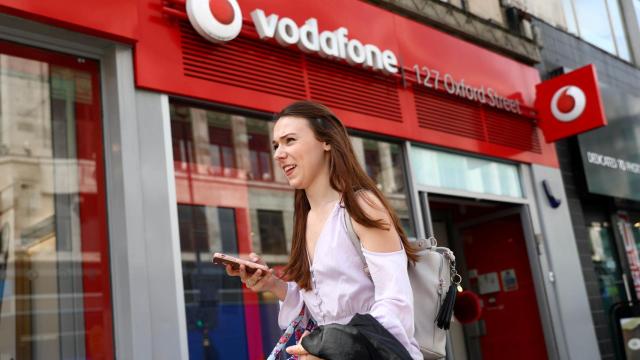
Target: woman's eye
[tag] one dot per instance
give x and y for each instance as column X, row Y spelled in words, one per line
column 290, row 140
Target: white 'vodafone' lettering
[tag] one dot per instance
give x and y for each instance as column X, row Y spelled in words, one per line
column 331, row 44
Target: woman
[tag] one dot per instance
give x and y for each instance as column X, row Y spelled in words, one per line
column 325, row 273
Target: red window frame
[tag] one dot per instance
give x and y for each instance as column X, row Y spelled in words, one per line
column 98, row 325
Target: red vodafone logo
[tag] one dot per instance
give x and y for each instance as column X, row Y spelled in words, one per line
column 215, row 20
column 568, row 103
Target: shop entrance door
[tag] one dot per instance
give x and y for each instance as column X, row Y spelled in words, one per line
column 491, row 252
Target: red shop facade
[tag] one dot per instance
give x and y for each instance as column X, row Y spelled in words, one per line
column 184, row 108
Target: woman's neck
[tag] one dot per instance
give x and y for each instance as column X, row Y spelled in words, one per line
column 320, row 192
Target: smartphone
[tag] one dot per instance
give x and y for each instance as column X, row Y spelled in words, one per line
column 250, row 267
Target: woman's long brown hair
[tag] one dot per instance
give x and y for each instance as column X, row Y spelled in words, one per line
column 346, row 176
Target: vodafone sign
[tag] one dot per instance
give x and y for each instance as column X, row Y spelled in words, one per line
column 570, row 104
column 221, row 21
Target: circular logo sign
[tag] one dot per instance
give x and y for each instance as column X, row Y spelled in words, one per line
column 215, row 20
column 634, row 344
column 568, row 103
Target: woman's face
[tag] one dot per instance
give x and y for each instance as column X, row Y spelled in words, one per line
column 299, row 154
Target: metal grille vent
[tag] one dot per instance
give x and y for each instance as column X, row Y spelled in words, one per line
column 446, row 113
column 349, row 88
column 511, row 130
column 246, row 63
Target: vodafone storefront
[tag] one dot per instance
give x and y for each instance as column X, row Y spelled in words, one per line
column 446, row 128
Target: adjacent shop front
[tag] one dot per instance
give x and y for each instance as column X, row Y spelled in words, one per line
column 601, row 174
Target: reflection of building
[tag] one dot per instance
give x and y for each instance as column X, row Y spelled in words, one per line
column 43, row 177
column 186, row 169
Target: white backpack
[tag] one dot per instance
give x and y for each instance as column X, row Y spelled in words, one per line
column 433, row 280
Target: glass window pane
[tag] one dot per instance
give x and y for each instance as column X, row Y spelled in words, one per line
column 233, row 212
column 594, row 23
column 458, row 172
column 636, row 6
column 54, row 267
column 272, row 232
column 569, row 16
column 618, row 29
column 606, row 265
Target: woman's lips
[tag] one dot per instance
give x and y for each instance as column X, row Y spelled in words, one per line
column 289, row 170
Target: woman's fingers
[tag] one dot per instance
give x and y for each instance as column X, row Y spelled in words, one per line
column 255, row 278
column 296, row 350
column 253, row 281
column 231, row 271
column 243, row 273
column 253, row 257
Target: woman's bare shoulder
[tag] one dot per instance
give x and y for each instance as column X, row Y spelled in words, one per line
column 375, row 239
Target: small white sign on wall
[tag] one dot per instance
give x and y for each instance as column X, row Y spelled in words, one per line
column 488, row 283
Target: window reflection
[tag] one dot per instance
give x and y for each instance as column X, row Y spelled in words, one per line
column 600, row 23
column 233, row 198
column 619, row 33
column 636, row 6
column 605, row 263
column 54, row 280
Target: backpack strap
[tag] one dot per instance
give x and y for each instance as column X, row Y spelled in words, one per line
column 348, row 223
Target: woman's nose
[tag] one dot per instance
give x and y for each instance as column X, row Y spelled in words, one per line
column 279, row 153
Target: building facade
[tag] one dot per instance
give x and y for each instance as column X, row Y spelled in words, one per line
column 133, row 148
column 604, row 197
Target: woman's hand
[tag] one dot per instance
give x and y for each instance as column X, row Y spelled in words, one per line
column 260, row 280
column 300, row 351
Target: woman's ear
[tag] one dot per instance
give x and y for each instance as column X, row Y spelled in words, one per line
column 326, row 146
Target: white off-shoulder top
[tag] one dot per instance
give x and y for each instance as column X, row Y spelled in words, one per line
column 341, row 288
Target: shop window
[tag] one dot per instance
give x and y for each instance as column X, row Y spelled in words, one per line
column 213, row 300
column 451, row 171
column 224, row 205
column 599, row 22
column 272, row 239
column 55, row 300
column 606, row 264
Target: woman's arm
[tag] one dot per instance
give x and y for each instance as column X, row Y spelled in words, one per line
column 291, row 305
column 387, row 263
